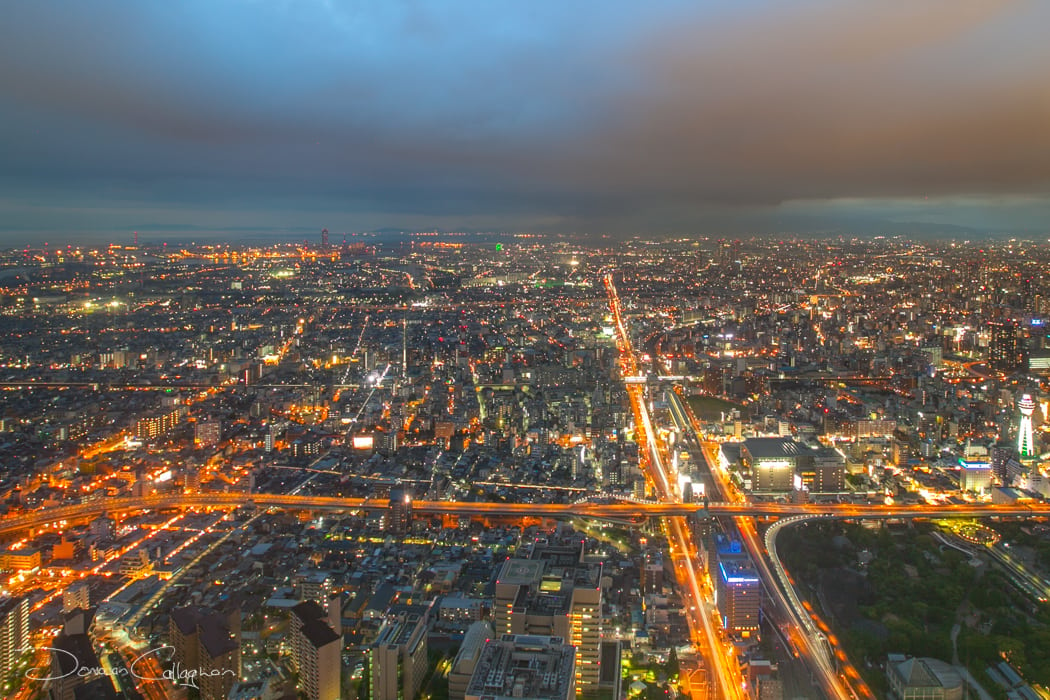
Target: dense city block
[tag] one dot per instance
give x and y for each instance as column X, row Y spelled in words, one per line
column 525, row 466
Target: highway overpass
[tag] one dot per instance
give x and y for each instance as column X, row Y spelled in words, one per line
column 619, row 511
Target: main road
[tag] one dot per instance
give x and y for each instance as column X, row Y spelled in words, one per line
column 679, row 537
column 785, row 610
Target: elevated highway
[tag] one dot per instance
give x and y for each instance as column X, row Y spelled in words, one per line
column 99, row 506
column 779, row 604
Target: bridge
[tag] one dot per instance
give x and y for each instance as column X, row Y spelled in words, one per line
column 614, row 511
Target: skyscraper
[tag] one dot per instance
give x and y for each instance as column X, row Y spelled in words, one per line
column 1025, row 440
column 1005, row 352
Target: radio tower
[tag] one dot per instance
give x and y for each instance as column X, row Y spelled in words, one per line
column 1025, row 442
column 324, row 239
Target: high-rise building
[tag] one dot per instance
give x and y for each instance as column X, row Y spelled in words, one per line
column 935, row 354
column 400, row 516
column 263, row 689
column 1005, row 351
column 1039, row 361
column 70, row 653
column 316, row 652
column 651, row 573
column 467, row 658
column 555, row 593
column 763, row 680
column 207, row 641
column 219, row 656
column 14, row 631
column 25, row 559
column 610, row 681
column 79, row 621
column 524, row 666
column 313, row 584
column 975, row 475
column 738, row 590
column 1025, row 438
column 398, row 657
column 1001, row 457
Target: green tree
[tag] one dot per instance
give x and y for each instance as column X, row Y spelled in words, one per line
column 673, row 667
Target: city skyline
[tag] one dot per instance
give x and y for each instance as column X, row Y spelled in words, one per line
column 460, row 350
column 248, row 119
column 650, row 467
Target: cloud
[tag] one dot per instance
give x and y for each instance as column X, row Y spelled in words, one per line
column 584, row 115
column 858, row 100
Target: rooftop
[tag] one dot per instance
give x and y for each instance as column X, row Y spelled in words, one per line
column 521, row 572
column 737, row 571
column 319, row 633
column 771, row 448
column 524, row 666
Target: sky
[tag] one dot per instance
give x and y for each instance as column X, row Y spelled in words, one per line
column 226, row 118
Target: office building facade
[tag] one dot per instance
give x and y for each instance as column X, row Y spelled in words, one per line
column 738, row 590
column 398, row 657
column 555, row 593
